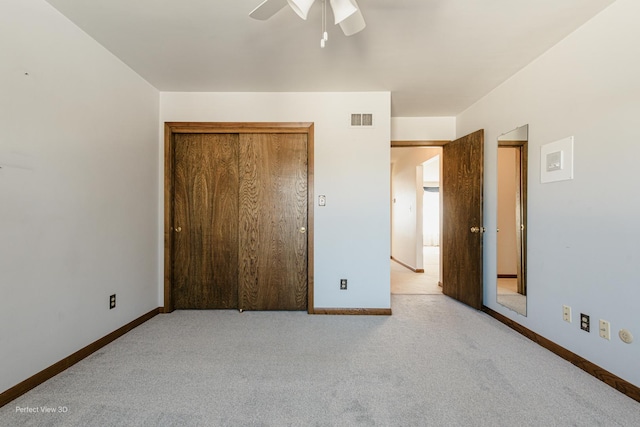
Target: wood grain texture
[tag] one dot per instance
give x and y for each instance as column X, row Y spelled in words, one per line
column 239, row 127
column 354, row 311
column 420, row 143
column 524, row 188
column 603, row 375
column 205, row 207
column 272, row 211
column 462, row 197
column 168, row 217
column 174, row 128
column 310, row 216
column 519, row 224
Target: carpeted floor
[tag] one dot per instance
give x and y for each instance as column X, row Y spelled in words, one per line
column 508, row 296
column 515, row 302
column 434, row 362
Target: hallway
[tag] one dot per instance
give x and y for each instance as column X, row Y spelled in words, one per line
column 406, row 282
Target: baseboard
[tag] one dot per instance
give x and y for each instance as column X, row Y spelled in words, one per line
column 351, row 311
column 53, row 370
column 415, row 270
column 607, row 377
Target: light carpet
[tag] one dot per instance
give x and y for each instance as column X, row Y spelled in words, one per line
column 434, row 362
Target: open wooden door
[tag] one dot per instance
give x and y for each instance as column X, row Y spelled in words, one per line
column 462, row 228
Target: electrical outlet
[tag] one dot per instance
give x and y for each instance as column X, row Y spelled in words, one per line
column 112, row 302
column 566, row 313
column 605, row 329
column 584, row 322
column 343, row 284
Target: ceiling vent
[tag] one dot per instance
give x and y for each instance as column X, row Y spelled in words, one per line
column 359, row 120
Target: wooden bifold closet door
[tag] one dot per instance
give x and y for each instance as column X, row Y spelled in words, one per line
column 240, row 221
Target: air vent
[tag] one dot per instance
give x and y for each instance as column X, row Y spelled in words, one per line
column 360, row 119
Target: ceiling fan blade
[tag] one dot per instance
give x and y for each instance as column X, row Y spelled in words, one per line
column 267, row 9
column 342, row 9
column 354, row 23
column 301, row 7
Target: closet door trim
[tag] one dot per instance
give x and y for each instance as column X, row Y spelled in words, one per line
column 171, row 128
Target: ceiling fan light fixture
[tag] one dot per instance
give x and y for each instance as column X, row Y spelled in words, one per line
column 301, row 7
column 343, row 9
column 354, row 23
column 345, row 12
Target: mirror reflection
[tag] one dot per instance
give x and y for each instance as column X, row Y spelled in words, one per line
column 511, row 282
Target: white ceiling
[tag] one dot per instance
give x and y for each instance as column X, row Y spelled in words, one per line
column 437, row 57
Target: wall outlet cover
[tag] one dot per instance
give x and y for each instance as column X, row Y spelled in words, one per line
column 585, row 324
column 605, row 329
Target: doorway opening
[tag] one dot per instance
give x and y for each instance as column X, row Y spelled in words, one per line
column 416, row 220
column 462, row 229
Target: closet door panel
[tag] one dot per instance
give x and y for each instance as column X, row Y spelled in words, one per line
column 205, row 229
column 273, row 222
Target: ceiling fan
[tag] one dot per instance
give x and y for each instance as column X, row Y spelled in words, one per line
column 346, row 13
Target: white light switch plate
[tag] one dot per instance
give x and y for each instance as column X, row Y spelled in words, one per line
column 556, row 161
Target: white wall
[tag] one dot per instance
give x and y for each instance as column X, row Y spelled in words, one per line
column 423, row 128
column 78, row 190
column 583, row 238
column 351, row 168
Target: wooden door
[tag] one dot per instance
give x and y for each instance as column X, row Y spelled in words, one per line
column 205, row 228
column 462, row 228
column 521, row 216
column 273, row 222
